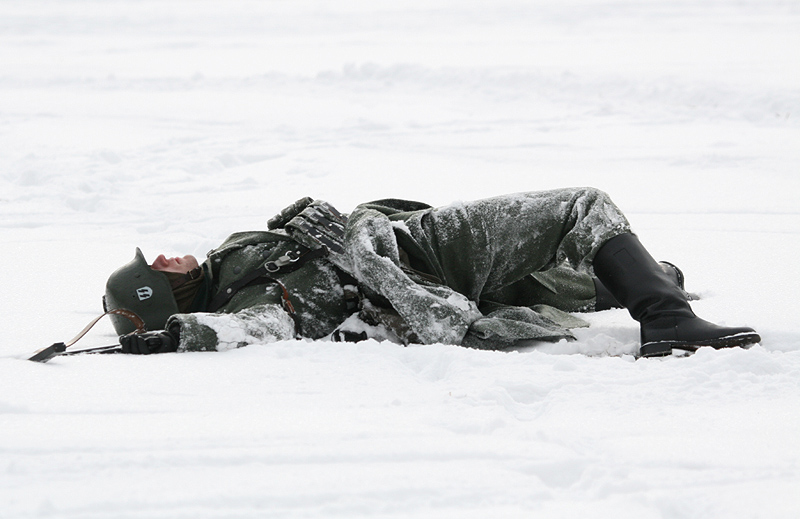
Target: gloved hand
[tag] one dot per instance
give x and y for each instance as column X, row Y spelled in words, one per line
column 159, row 341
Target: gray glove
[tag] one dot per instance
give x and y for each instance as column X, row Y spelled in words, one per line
column 159, row 341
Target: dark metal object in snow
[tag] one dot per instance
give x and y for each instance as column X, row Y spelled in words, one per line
column 60, row 348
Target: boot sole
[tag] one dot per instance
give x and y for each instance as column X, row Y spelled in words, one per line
column 664, row 348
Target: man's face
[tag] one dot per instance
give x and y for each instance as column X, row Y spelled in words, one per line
column 177, row 265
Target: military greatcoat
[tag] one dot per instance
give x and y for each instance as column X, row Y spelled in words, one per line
column 488, row 274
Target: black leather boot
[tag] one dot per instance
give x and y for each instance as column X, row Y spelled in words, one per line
column 667, row 321
column 605, row 300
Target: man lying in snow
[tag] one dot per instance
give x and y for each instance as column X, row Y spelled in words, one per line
column 486, row 274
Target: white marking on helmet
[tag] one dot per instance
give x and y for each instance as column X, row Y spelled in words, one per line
column 144, row 293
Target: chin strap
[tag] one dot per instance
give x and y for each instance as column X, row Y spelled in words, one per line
column 59, row 348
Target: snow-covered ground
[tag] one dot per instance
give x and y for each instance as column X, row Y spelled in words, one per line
column 169, row 124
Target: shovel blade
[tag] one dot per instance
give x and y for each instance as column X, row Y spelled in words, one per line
column 45, row 354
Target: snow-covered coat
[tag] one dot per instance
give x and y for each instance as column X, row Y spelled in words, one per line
column 256, row 313
column 456, row 275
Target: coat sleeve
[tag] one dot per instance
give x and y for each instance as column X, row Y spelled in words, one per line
column 220, row 332
column 436, row 314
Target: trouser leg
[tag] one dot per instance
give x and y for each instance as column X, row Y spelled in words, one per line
column 561, row 287
column 483, row 246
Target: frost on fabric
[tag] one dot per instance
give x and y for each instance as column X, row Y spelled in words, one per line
column 458, row 301
column 435, row 314
column 316, row 297
column 596, row 220
column 401, row 225
column 478, row 248
column 485, row 245
column 222, row 332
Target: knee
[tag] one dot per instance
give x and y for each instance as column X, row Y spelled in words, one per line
column 594, row 193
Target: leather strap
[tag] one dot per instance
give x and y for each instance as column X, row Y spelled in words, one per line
column 59, row 348
column 135, row 319
column 263, row 274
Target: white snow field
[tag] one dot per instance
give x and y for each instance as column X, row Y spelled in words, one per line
column 169, row 124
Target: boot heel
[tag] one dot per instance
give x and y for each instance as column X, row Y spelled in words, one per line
column 655, row 349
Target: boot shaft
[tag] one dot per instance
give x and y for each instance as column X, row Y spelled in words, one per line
column 637, row 281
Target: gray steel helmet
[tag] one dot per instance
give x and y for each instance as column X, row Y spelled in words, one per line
column 147, row 292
